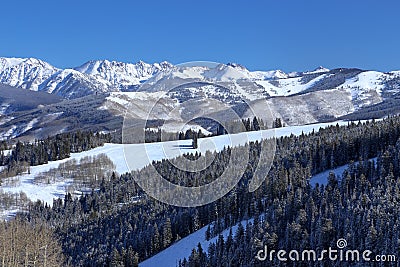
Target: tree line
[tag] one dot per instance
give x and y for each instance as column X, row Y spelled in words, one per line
column 60, row 146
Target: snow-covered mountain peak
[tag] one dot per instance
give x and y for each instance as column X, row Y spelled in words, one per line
column 226, row 73
column 237, row 66
column 164, row 64
column 6, row 63
column 120, row 74
column 320, row 69
column 9, row 62
column 268, row 75
column 71, row 83
column 233, row 81
column 27, row 73
column 89, row 67
column 35, row 61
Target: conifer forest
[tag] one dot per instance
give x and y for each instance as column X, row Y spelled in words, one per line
column 118, row 224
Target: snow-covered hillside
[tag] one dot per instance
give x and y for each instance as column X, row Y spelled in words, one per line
column 89, row 78
column 122, row 75
column 288, row 86
column 322, row 177
column 199, row 88
column 27, row 73
column 146, row 153
column 70, row 83
column 107, row 76
column 183, row 248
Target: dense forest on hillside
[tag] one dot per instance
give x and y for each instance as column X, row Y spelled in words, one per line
column 60, row 146
column 156, row 134
column 119, row 225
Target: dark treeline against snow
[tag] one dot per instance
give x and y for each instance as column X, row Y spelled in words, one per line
column 119, row 225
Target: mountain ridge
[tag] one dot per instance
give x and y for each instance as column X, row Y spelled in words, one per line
column 102, row 91
column 38, row 75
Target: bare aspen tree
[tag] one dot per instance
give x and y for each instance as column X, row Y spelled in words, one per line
column 25, row 245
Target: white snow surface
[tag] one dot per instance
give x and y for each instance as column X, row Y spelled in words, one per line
column 106, row 76
column 288, row 86
column 146, row 153
column 183, row 248
column 158, row 151
column 268, row 75
column 320, row 69
column 10, row 133
column 174, row 127
column 27, row 73
column 224, row 73
column 170, row 256
column 368, row 79
column 322, row 177
column 118, row 97
column 30, row 124
column 9, row 62
column 122, row 74
column 364, row 86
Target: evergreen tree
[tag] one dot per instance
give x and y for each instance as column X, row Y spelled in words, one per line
column 255, row 124
column 195, row 141
column 167, row 233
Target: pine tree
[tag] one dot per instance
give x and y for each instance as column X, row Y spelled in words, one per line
column 195, row 141
column 167, row 233
column 256, row 124
column 208, row 233
column 196, row 221
column 116, row 259
column 156, row 239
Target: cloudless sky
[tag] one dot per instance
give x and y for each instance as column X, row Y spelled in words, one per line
column 261, row 35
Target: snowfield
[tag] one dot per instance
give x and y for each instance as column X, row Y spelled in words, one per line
column 288, row 86
column 170, row 256
column 146, row 153
column 322, row 177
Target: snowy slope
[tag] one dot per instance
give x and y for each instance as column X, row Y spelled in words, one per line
column 155, row 151
column 268, row 75
column 226, row 73
column 70, row 83
column 320, row 69
column 183, row 248
column 366, row 88
column 103, row 76
column 27, row 73
column 322, row 177
column 9, row 62
column 297, row 98
column 140, row 105
column 122, row 75
column 288, row 86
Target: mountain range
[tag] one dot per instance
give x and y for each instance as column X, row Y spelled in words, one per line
column 96, row 94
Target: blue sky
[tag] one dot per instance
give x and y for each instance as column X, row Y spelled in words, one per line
column 262, row 35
